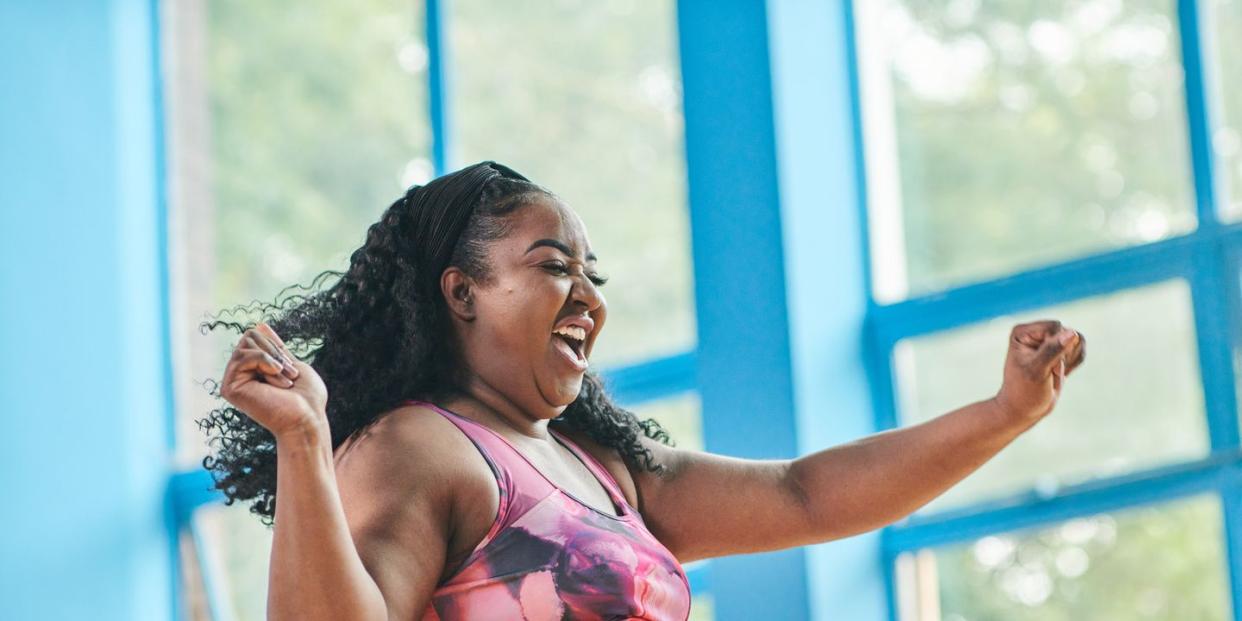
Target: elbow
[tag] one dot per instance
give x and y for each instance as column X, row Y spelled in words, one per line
column 795, row 487
column 809, row 521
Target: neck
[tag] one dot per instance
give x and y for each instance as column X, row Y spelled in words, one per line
column 483, row 402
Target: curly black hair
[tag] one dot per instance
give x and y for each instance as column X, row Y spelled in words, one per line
column 379, row 333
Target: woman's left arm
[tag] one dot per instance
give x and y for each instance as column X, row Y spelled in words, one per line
column 711, row 505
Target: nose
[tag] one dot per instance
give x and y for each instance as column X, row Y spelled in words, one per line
column 586, row 294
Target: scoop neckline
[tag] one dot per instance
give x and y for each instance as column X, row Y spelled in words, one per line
column 565, row 442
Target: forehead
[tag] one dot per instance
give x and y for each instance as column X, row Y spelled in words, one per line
column 549, row 218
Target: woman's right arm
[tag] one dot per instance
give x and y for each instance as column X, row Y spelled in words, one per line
column 316, row 572
column 363, row 539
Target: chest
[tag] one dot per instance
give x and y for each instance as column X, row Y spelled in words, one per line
column 560, row 559
column 479, row 503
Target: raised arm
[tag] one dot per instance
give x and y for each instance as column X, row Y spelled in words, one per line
column 710, row 505
column 380, row 559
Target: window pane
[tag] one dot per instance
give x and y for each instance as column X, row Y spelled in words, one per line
column 681, row 416
column 1002, row 136
column 587, row 102
column 290, row 131
column 234, row 551
column 702, row 608
column 1136, row 403
column 1163, row 562
column 1226, row 16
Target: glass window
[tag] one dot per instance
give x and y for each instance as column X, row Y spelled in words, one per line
column 1163, row 562
column 702, row 608
column 1225, row 16
column 1138, row 403
column 681, row 416
column 587, row 102
column 290, row 132
column 1001, row 136
column 233, row 551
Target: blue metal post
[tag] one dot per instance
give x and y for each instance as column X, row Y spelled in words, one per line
column 826, row 273
column 744, row 370
column 439, row 86
column 83, row 362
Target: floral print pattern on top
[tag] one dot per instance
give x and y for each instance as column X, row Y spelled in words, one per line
column 549, row 556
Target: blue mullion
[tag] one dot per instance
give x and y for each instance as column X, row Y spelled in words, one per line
column 188, row 490
column 1064, row 282
column 1213, row 309
column 1093, row 275
column 439, row 84
column 1214, row 473
column 652, row 379
column 879, row 359
column 890, row 579
column 171, row 523
column 1215, row 281
column 1200, row 111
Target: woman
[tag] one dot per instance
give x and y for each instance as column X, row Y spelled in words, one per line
column 441, row 450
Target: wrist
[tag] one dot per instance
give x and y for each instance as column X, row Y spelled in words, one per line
column 1011, row 415
column 309, row 434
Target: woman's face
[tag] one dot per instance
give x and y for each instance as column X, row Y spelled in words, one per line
column 531, row 327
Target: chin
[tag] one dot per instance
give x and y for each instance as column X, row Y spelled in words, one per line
column 564, row 392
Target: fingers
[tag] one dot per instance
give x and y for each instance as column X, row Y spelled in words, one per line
column 248, row 361
column 1042, row 336
column 265, row 339
column 1053, row 352
column 270, row 333
column 1033, row 334
column 1077, row 355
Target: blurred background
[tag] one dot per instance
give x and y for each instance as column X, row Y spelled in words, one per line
column 820, row 221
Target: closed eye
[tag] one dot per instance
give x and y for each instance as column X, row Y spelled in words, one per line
column 556, row 267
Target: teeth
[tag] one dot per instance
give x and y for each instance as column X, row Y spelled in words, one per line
column 573, row 332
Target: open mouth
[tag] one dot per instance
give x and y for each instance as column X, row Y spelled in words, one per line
column 574, row 340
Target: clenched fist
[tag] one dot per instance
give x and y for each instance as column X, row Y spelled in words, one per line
column 271, row 386
column 1041, row 355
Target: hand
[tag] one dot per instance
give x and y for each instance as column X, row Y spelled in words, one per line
column 274, row 388
column 1041, row 355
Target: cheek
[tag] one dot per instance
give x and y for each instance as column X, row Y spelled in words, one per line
column 523, row 312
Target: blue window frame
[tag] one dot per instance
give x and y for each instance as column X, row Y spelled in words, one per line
column 1207, row 258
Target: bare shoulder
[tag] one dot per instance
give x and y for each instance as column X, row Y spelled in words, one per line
column 412, row 443
column 630, row 480
column 404, row 482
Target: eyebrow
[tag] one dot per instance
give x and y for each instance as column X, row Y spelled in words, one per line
column 559, row 245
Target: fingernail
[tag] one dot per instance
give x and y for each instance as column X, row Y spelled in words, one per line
column 1067, row 336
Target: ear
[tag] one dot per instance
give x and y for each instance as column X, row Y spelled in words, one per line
column 458, row 290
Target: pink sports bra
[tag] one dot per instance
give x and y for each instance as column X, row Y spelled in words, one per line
column 549, row 556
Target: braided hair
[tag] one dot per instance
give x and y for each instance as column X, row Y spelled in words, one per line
column 377, row 333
